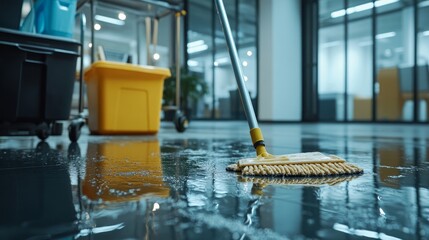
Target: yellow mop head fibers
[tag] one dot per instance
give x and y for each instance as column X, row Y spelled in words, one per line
column 259, row 183
column 291, row 165
column 312, row 181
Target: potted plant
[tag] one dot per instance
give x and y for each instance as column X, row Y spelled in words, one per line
column 192, row 88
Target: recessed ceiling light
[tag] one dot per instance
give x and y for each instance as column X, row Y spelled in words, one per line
column 122, row 16
column 385, row 35
column 361, row 7
column 195, row 43
column 109, row 20
column 192, row 63
column 196, row 49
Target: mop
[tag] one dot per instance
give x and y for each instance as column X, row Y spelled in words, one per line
column 259, row 183
column 265, row 164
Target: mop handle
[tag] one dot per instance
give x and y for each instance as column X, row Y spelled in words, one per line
column 238, row 72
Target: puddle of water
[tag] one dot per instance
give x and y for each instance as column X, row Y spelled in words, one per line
column 180, row 189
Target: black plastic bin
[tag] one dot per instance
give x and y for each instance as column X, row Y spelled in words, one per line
column 37, row 74
column 10, row 16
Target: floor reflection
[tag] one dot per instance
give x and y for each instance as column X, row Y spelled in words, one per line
column 177, row 188
column 386, row 202
column 123, row 171
column 36, row 200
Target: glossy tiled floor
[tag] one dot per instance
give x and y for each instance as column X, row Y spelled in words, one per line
column 174, row 186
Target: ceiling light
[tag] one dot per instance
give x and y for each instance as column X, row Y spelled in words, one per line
column 425, row 33
column 249, row 53
column 90, row 45
column 156, row 56
column 198, row 48
column 97, row 26
column 246, row 78
column 338, row 13
column 424, row 4
column 245, row 63
column 362, row 7
column 385, row 35
column 122, row 16
column 388, row 52
column 222, row 60
column 192, row 63
column 380, row 3
column 195, row 43
column 109, row 20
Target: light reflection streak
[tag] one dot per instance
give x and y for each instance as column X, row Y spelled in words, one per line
column 86, row 232
column 362, row 232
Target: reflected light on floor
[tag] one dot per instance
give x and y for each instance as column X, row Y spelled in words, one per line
column 362, row 232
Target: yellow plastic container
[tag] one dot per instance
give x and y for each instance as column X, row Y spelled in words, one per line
column 124, row 98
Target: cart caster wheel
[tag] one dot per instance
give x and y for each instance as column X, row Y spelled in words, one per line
column 180, row 122
column 57, row 129
column 42, row 131
column 74, row 130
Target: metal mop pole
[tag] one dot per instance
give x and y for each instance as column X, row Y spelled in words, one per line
column 255, row 131
column 148, row 33
column 82, row 45
column 244, row 94
column 178, row 60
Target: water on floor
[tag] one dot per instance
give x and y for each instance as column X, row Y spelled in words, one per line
column 174, row 186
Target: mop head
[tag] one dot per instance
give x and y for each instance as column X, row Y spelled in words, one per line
column 312, row 181
column 259, row 183
column 295, row 165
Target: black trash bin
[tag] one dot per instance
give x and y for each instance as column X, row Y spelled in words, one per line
column 37, row 74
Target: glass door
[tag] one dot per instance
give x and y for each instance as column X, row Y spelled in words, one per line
column 331, row 58
column 395, row 61
column 423, row 60
column 359, row 70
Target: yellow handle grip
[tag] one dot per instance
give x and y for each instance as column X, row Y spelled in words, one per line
column 256, row 135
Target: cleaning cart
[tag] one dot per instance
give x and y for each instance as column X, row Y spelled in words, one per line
column 111, row 110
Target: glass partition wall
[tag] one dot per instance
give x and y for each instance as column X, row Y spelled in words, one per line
column 373, row 60
column 331, row 58
column 207, row 56
column 207, row 77
column 422, row 59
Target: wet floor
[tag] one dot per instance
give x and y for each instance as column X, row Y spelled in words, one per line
column 174, row 186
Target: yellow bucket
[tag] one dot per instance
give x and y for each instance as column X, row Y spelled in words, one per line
column 124, row 98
